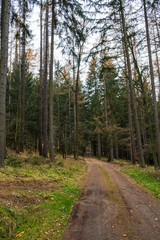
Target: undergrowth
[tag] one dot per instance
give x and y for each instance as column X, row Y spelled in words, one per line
column 148, row 178
column 48, row 218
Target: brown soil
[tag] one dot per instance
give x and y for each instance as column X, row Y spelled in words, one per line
column 121, row 210
column 21, row 192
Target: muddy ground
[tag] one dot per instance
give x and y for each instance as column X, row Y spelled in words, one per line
column 114, row 209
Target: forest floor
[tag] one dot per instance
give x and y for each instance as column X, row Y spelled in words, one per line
column 113, row 207
column 36, row 200
column 36, row 196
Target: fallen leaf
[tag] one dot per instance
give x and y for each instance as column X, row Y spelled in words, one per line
column 20, row 234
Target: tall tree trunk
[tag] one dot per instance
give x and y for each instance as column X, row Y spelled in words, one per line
column 70, row 127
column 5, row 12
column 45, row 149
column 157, row 25
column 19, row 97
column 106, row 114
column 144, row 134
column 75, row 108
column 10, row 70
column 99, row 145
column 143, row 109
column 76, row 120
column 16, row 55
column 156, row 117
column 110, row 156
column 133, row 159
column 40, row 87
column 138, row 135
column 117, row 152
column 133, row 149
column 23, row 80
column 157, row 60
column 76, row 99
column 51, row 149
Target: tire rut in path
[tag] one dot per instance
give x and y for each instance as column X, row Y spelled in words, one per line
column 143, row 208
column 96, row 216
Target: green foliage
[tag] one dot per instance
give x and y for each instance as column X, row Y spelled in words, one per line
column 48, row 217
column 7, row 222
column 13, row 109
column 148, row 178
column 13, row 161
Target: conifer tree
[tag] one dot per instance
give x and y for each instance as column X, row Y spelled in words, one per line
column 5, row 13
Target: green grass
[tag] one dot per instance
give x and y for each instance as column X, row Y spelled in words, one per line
column 48, row 218
column 148, row 178
column 113, row 193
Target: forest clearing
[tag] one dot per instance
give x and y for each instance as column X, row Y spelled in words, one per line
column 79, row 119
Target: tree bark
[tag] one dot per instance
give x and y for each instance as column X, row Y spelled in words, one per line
column 138, row 135
column 106, row 115
column 157, row 60
column 5, row 13
column 51, row 149
column 133, row 160
column 156, row 117
column 157, row 26
column 99, row 145
column 40, row 87
column 23, row 80
column 117, row 152
column 45, row 149
column 75, row 108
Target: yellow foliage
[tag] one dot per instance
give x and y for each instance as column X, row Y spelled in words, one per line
column 19, row 235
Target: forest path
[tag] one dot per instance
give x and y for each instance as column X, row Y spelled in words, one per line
column 113, row 207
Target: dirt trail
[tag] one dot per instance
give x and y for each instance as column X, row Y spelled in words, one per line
column 113, row 211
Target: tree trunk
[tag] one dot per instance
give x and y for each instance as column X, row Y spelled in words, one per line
column 5, row 12
column 110, row 155
column 23, row 81
column 157, row 25
column 51, row 149
column 144, row 134
column 70, row 127
column 156, row 118
column 40, row 88
column 117, row 152
column 106, row 116
column 99, row 145
column 133, row 159
column 138, row 135
column 45, row 149
column 157, row 60
column 19, row 97
column 75, row 108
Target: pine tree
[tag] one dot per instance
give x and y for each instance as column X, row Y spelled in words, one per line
column 5, row 13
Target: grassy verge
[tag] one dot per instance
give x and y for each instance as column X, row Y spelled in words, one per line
column 113, row 193
column 46, row 215
column 148, row 178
